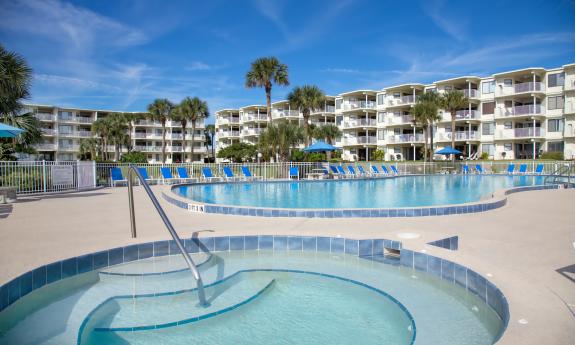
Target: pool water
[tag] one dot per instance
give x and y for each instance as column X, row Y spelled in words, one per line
column 256, row 297
column 408, row 191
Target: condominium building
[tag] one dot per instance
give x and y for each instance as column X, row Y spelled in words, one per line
column 64, row 128
column 509, row 115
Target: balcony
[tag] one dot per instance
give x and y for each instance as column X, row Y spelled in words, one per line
column 466, row 115
column 45, row 147
column 228, row 120
column 528, row 132
column 522, row 110
column 358, row 105
column 48, row 131
column 229, row 134
column 369, row 140
column 328, row 109
column 405, row 138
column 278, row 114
column 255, row 117
column 403, row 100
column 471, row 93
column 459, row 136
column 148, row 123
column 69, row 148
column 521, row 88
column 84, row 119
column 142, row 148
column 400, row 120
column 253, row 131
column 360, row 123
column 45, row 116
column 84, row 134
column 139, row 135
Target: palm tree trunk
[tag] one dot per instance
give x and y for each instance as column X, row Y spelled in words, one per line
column 453, row 132
column 431, row 142
column 269, row 102
column 425, row 136
column 116, row 152
column 193, row 140
column 184, row 141
column 212, row 144
column 306, row 126
column 164, row 141
column 129, row 136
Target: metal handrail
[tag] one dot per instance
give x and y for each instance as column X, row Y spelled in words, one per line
column 167, row 223
column 558, row 173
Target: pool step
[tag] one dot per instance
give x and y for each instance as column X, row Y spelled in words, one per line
column 155, row 265
column 148, row 312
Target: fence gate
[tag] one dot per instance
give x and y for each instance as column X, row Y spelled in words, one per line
column 86, row 172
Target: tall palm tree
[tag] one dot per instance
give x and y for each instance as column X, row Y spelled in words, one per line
column 129, row 120
column 193, row 109
column 306, row 98
column 424, row 113
column 160, row 110
column 102, row 128
column 434, row 98
column 181, row 115
column 280, row 139
column 329, row 133
column 89, row 146
column 452, row 101
column 264, row 72
column 210, row 132
column 117, row 133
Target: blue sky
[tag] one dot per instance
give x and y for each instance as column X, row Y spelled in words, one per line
column 121, row 55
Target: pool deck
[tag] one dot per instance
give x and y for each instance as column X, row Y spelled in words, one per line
column 520, row 247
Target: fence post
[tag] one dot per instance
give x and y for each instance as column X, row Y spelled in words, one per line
column 94, row 174
column 44, row 174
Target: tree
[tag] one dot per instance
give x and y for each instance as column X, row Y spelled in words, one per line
column 306, row 98
column 264, row 72
column 102, row 128
column 329, row 133
column 160, row 110
column 210, row 132
column 193, row 109
column 238, row 152
column 179, row 114
column 433, row 98
column 424, row 113
column 452, row 101
column 117, row 133
column 129, row 119
column 89, row 148
column 280, row 139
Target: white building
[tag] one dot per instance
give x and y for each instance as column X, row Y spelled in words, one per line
column 64, row 128
column 510, row 115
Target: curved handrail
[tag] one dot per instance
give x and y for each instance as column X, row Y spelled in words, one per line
column 167, row 223
column 565, row 168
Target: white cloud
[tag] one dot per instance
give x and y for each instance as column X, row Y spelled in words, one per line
column 199, row 66
column 451, row 25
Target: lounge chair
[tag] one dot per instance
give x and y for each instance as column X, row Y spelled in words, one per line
column 479, row 169
column 394, row 169
column 183, row 174
column 207, row 174
column 362, row 171
column 229, row 174
column 167, row 176
column 465, row 170
column 334, row 172
column 116, row 176
column 375, row 171
column 342, row 172
column 384, row 170
column 511, row 168
column 248, row 174
column 523, row 169
column 147, row 178
column 539, row 169
column 351, row 171
column 294, row 172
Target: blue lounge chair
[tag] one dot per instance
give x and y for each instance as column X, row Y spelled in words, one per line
column 511, row 168
column 248, row 174
column 384, row 170
column 342, row 172
column 333, row 170
column 167, row 176
column 351, row 171
column 375, row 171
column 362, row 171
column 465, row 169
column 229, row 174
column 207, row 174
column 116, row 176
column 144, row 174
column 294, row 172
column 539, row 169
column 183, row 174
column 523, row 168
column 394, row 169
column 479, row 168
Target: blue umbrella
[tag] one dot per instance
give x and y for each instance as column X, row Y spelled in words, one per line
column 320, row 146
column 448, row 151
column 9, row 131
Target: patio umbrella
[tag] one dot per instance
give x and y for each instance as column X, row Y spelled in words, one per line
column 320, row 146
column 448, row 151
column 9, row 131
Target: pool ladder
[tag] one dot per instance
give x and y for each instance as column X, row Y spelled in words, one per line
column 559, row 172
column 195, row 273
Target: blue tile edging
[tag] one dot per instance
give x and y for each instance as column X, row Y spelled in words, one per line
column 451, row 243
column 499, row 199
column 19, row 287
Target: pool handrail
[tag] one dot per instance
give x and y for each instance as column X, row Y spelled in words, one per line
column 195, row 273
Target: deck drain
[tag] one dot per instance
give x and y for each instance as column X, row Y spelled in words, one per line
column 523, row 321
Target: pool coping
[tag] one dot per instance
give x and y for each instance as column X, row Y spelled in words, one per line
column 443, row 269
column 498, row 199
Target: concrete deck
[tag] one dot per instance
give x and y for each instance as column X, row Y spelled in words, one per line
column 519, row 247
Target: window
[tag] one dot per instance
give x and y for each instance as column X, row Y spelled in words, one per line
column 508, row 125
column 556, row 79
column 489, row 148
column 338, row 120
column 380, row 98
column 380, row 117
column 555, row 125
column 338, row 103
column 397, row 113
column 508, row 82
column 488, row 108
column 555, row 146
column 488, row 87
column 397, row 150
column 396, row 95
column 507, row 147
column 64, row 115
column 381, row 134
column 488, row 128
column 555, row 102
column 64, row 129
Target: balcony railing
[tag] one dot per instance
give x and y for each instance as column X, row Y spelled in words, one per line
column 360, row 140
column 285, row 113
column 529, row 87
column 254, row 131
column 528, row 132
column 229, row 134
column 360, row 123
column 403, row 100
column 400, row 119
column 48, row 131
column 69, row 148
column 359, row 105
column 460, row 135
column 470, row 93
column 406, row 138
column 45, row 147
column 83, row 119
column 45, row 117
column 327, row 109
column 521, row 110
column 466, row 114
column 250, row 117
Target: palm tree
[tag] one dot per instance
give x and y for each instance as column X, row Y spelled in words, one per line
column 306, row 98
column 129, row 120
column 160, row 110
column 102, row 128
column 434, row 98
column 264, row 73
column 89, row 146
column 329, row 133
column 452, row 101
column 196, row 109
column 424, row 113
column 210, row 132
column 117, row 133
column 179, row 114
column 280, row 139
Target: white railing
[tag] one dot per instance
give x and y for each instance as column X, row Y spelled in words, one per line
column 400, row 119
column 45, row 117
column 529, row 87
column 328, row 109
column 254, row 131
column 360, row 140
column 466, row 114
column 68, row 147
column 460, row 135
column 45, row 147
column 229, row 134
column 360, row 123
column 82, row 119
column 406, row 138
column 529, row 132
column 48, row 131
column 521, row 110
column 277, row 113
column 470, row 93
column 359, row 105
column 403, row 100
column 250, row 117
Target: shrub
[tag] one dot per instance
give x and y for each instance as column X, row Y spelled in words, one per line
column 23, row 180
column 239, row 152
column 484, row 156
column 134, row 157
column 558, row 156
column 379, row 155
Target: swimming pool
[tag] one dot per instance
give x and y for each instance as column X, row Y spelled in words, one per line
column 303, row 290
column 405, row 191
